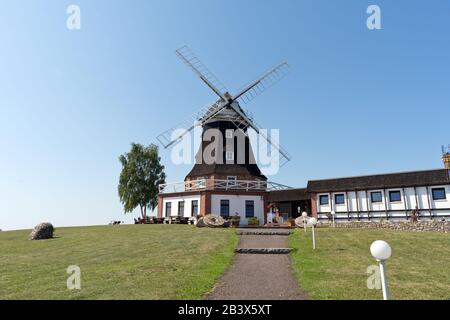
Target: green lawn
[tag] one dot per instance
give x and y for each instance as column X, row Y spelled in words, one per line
column 117, row 262
column 418, row 269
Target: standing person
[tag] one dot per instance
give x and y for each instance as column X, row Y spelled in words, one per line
column 269, row 217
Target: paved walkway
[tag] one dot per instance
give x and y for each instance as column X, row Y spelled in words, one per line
column 259, row 276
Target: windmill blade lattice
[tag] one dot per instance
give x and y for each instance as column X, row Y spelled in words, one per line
column 267, row 80
column 167, row 138
column 188, row 57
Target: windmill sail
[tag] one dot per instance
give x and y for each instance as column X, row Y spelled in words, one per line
column 264, row 82
column 246, row 121
column 188, row 57
column 168, row 138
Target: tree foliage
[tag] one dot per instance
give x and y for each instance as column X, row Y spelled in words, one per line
column 140, row 177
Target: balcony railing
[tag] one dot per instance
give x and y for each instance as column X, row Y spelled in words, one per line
column 217, row 184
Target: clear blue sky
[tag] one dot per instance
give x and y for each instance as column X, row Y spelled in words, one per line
column 356, row 101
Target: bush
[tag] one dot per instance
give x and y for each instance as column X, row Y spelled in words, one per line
column 291, row 222
column 234, row 221
column 253, row 221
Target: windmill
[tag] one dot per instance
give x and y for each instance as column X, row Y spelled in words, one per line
column 226, row 112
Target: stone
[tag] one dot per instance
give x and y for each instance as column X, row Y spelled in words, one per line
column 263, row 250
column 201, row 223
column 419, row 226
column 42, row 231
column 214, row 221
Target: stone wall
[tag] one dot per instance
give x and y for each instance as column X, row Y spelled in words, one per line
column 421, row 226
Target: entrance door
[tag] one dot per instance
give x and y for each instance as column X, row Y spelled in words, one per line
column 285, row 210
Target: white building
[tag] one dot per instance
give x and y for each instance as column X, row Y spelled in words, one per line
column 387, row 196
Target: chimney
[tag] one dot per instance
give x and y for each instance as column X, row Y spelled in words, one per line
column 446, row 157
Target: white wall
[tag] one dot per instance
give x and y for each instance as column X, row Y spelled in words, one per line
column 187, row 205
column 421, row 197
column 237, row 204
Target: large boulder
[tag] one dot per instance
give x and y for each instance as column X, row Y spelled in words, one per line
column 42, row 231
column 214, row 221
column 201, row 223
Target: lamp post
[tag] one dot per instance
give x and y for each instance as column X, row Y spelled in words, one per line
column 304, row 215
column 312, row 222
column 382, row 251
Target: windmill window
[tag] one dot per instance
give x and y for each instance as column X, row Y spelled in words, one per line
column 323, row 200
column 229, row 156
column 376, row 197
column 439, row 194
column 201, row 182
column 231, row 181
column 395, row 196
column 168, row 209
column 225, row 208
column 229, row 134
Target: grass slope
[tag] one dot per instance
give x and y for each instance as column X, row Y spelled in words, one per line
column 117, row 262
column 418, row 269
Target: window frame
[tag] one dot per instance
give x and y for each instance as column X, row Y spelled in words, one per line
column 438, row 189
column 201, row 182
column 324, row 196
column 192, row 208
column 229, row 134
column 224, row 203
column 399, row 197
column 231, row 182
column 168, row 206
column 376, row 192
column 181, row 204
column 250, row 204
column 343, row 199
column 226, row 155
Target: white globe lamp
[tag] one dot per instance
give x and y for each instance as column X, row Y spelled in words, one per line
column 312, row 221
column 305, row 216
column 381, row 251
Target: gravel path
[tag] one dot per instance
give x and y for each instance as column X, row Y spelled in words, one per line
column 259, row 276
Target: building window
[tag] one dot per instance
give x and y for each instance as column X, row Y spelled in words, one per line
column 323, row 200
column 229, row 156
column 339, row 198
column 249, row 208
column 229, row 134
column 395, row 196
column 201, row 182
column 168, row 209
column 376, row 196
column 225, row 208
column 231, row 181
column 439, row 194
column 194, row 208
column 181, row 208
